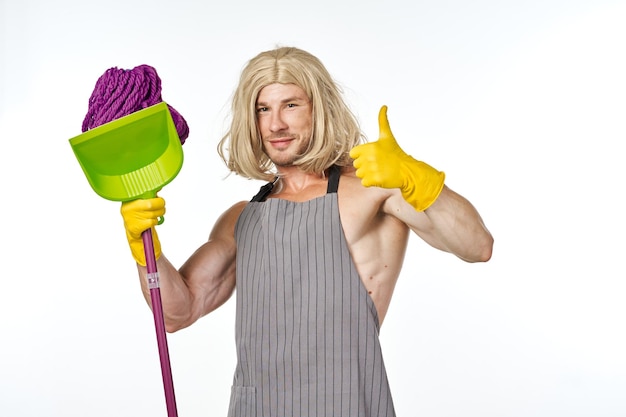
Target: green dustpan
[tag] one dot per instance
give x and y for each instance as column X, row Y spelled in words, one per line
column 131, row 157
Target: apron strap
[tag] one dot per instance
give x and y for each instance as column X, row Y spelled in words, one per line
column 333, row 184
column 333, row 179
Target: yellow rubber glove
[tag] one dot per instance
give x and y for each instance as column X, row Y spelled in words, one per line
column 140, row 215
column 384, row 164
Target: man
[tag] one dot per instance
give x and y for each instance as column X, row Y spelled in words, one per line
column 316, row 254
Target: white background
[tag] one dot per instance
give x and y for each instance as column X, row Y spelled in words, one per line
column 521, row 103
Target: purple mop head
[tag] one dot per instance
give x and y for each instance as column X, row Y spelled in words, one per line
column 120, row 92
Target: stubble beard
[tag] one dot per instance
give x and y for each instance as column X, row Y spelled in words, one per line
column 287, row 158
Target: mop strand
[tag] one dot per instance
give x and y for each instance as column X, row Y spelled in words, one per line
column 120, row 92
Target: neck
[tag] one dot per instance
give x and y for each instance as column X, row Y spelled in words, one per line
column 294, row 183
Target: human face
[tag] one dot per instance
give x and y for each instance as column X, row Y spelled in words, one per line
column 284, row 117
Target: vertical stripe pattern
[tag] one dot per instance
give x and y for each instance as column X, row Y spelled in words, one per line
column 306, row 329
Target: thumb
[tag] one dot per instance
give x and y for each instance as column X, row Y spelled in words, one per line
column 383, row 126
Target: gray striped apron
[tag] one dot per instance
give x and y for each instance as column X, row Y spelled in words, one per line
column 306, row 328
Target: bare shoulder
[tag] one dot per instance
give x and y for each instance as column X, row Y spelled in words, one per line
column 225, row 224
column 362, row 208
column 375, row 204
column 355, row 194
column 351, row 183
column 236, row 209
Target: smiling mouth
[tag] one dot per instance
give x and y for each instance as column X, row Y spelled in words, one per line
column 280, row 142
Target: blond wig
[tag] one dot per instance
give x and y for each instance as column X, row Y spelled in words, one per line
column 335, row 130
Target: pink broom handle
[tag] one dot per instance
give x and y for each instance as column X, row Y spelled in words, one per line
column 159, row 322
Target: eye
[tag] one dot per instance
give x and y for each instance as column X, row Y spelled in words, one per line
column 261, row 109
column 291, row 105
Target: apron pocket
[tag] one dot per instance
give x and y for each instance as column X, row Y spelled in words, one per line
column 242, row 402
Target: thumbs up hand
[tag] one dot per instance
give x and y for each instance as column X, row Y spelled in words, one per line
column 384, row 164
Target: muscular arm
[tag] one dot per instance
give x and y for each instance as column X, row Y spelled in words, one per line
column 451, row 224
column 419, row 198
column 204, row 282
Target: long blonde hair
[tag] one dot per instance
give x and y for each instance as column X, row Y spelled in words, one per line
column 335, row 129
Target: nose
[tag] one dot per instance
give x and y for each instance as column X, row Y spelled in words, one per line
column 277, row 123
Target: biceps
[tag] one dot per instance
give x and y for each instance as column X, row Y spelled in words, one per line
column 210, row 275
